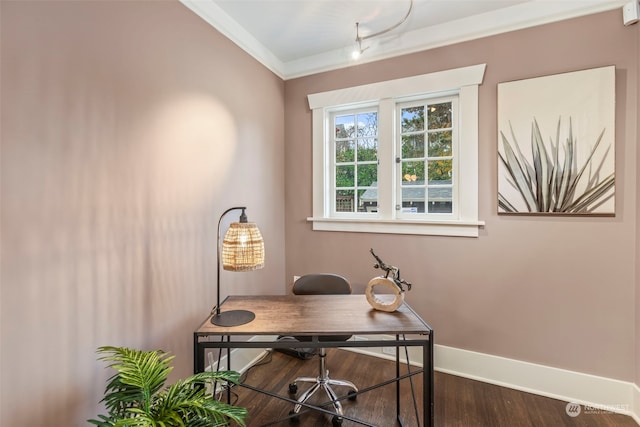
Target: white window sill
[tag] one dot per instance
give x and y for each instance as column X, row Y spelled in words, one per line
column 420, row 227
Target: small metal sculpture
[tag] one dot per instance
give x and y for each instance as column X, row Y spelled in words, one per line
column 394, row 283
column 391, row 269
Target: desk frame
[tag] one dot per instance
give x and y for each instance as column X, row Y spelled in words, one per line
column 264, row 325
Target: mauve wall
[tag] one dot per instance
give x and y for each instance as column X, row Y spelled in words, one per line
column 637, row 323
column 127, row 129
column 553, row 291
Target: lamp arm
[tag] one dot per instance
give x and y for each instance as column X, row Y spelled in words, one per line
column 218, row 249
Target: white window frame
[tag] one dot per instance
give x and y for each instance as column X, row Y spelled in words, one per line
column 461, row 81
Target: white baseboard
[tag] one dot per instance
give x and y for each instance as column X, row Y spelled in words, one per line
column 241, row 358
column 415, row 353
column 596, row 393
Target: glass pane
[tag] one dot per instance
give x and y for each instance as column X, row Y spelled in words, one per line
column 439, row 115
column 345, row 176
column 345, row 126
column 413, row 172
column 412, row 146
column 345, row 201
column 367, row 124
column 440, row 171
column 412, row 119
column 367, row 175
column 440, row 200
column 345, row 151
column 412, row 197
column 440, row 144
column 367, row 149
column 368, row 200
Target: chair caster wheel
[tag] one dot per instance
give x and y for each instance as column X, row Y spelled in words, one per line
column 293, row 388
column 295, row 419
column 352, row 395
column 336, row 421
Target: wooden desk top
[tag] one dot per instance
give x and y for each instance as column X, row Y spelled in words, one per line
column 315, row 315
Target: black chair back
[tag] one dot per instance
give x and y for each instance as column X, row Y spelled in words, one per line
column 321, row 284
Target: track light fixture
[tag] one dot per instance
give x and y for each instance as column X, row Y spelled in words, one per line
column 359, row 50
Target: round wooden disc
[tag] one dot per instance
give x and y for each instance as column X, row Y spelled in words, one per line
column 383, row 304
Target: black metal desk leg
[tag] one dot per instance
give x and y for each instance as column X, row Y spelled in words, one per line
column 398, row 382
column 399, row 420
column 228, row 366
column 428, row 382
column 198, row 357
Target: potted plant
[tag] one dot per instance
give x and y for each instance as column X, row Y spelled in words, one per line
column 136, row 395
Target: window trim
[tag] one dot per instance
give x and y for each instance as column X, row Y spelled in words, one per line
column 463, row 81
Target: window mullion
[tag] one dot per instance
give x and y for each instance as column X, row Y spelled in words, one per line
column 386, row 159
column 321, row 158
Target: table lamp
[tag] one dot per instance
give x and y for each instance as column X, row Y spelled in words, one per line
column 242, row 250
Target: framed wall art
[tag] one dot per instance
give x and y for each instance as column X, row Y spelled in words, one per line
column 556, row 144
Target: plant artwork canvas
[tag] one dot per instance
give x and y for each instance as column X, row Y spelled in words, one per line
column 556, row 144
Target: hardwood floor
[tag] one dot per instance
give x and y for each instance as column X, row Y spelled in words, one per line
column 459, row 402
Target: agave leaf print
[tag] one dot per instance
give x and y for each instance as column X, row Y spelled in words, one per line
column 553, row 182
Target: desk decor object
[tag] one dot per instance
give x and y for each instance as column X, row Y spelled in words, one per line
column 394, row 285
column 242, row 250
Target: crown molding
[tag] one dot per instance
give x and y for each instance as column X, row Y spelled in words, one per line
column 218, row 19
column 524, row 15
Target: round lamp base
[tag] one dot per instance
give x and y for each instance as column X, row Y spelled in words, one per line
column 233, row 318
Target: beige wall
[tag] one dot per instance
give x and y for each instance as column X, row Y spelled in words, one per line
column 553, row 291
column 127, row 129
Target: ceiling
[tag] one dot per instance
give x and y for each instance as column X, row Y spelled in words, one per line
column 294, row 38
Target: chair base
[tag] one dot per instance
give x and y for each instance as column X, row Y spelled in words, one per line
column 322, row 382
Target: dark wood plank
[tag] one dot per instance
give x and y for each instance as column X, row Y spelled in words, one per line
column 459, row 402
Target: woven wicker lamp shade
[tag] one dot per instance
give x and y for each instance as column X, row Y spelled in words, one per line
column 242, row 247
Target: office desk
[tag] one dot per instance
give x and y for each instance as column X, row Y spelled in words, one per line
column 322, row 315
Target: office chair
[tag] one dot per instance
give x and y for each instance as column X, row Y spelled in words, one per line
column 322, row 284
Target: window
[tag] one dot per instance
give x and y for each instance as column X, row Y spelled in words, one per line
column 355, row 159
column 398, row 156
column 427, row 147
